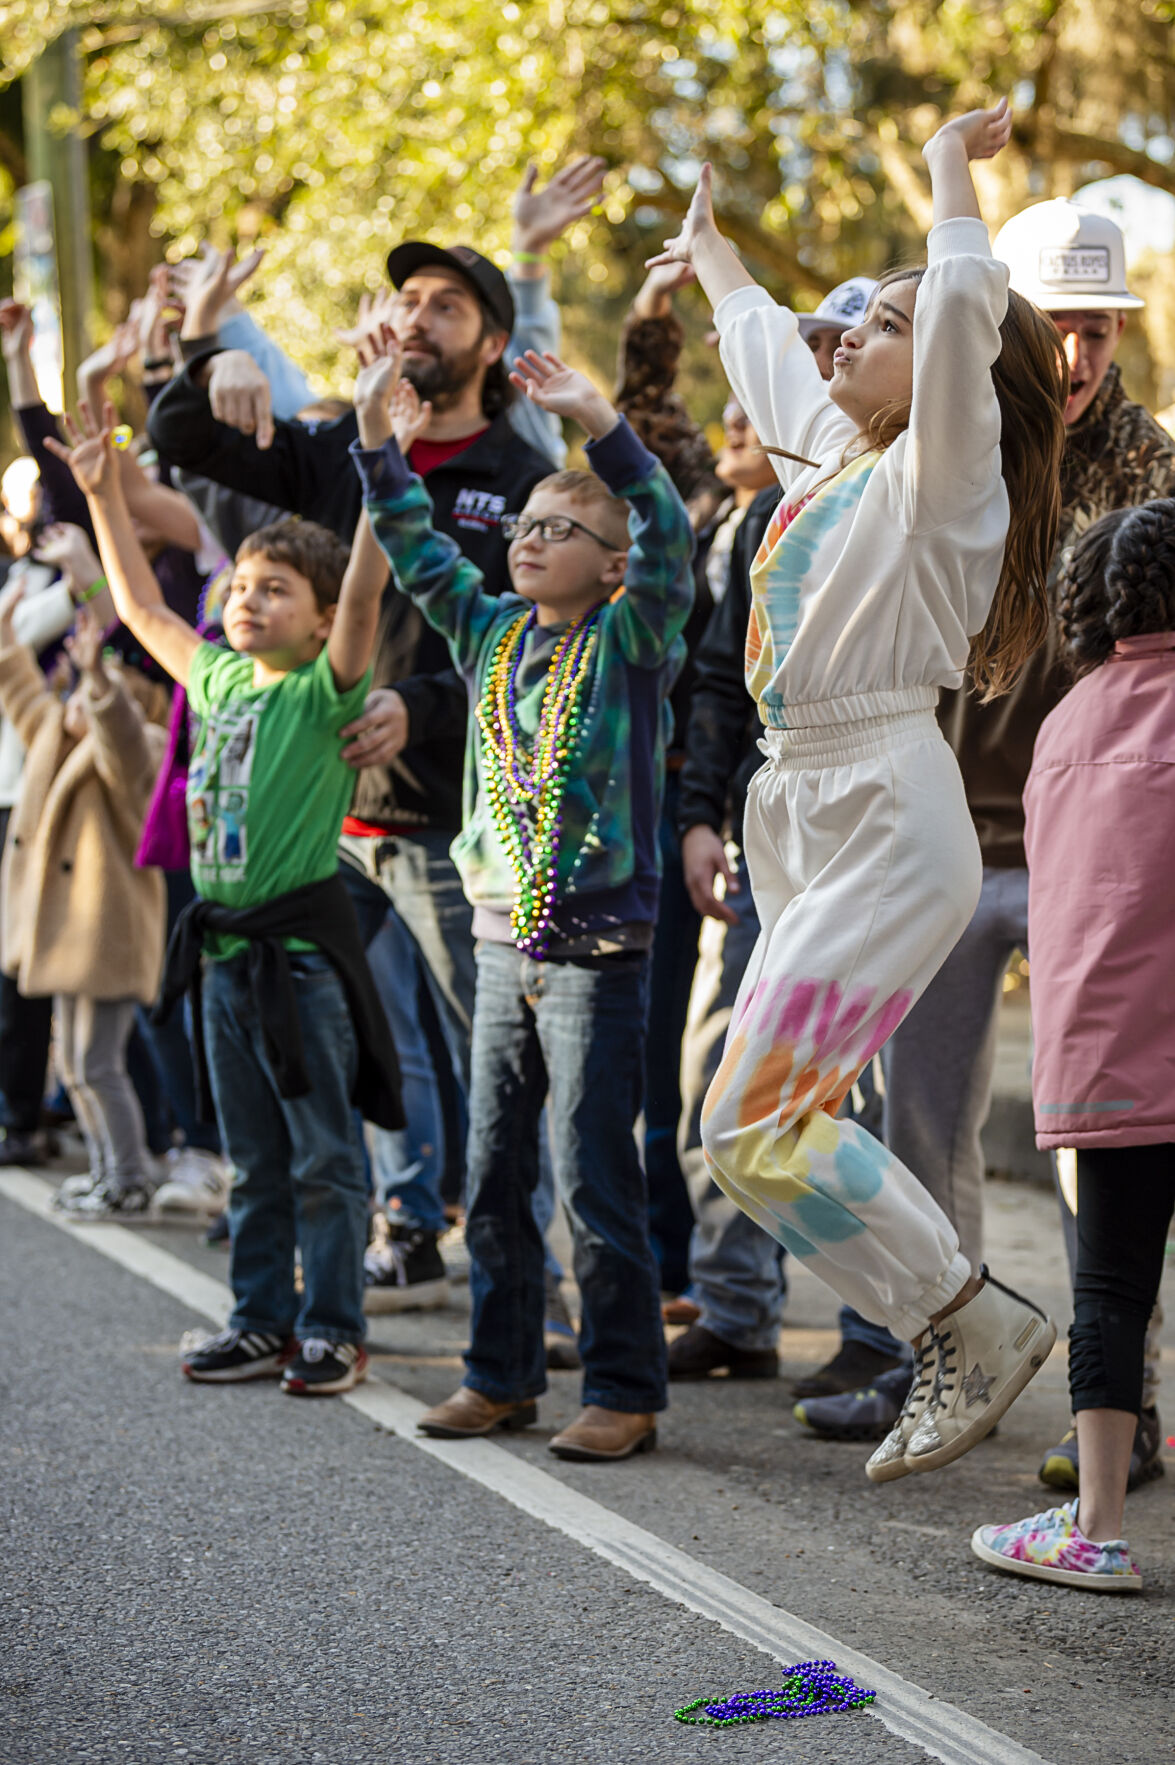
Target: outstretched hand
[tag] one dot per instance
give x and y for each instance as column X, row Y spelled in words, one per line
column 69, row 548
column 208, row 284
column 542, row 216
column 551, row 384
column 90, row 455
column 371, row 320
column 16, row 328
column 982, row 132
column 699, row 221
column 84, row 646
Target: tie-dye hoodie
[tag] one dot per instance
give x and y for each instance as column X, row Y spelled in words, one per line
column 609, row 865
column 865, row 595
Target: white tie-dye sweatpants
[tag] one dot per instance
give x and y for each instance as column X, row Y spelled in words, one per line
column 865, row 870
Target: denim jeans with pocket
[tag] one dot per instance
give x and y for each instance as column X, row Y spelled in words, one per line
column 300, row 1179
column 575, row 1029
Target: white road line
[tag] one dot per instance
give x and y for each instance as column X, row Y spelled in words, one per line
column 940, row 1729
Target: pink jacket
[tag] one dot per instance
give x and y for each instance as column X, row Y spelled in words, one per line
column 1100, row 837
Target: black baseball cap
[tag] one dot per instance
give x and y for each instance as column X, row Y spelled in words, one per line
column 490, row 284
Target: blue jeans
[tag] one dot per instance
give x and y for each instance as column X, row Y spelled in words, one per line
column 675, row 950
column 433, row 950
column 299, row 1177
column 735, row 1267
column 576, row 1030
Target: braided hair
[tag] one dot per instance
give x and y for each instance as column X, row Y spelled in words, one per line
column 1118, row 581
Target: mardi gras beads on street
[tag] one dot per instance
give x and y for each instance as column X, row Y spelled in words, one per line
column 525, row 786
column 813, row 1688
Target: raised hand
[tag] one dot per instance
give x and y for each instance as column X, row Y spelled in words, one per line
column 90, row 456
column 371, row 321
column 69, row 548
column 698, row 224
column 409, row 417
column 155, row 326
column 554, row 386
column 982, row 132
column 660, row 285
column 207, row 285
column 10, row 598
column 16, row 328
column 542, row 216
column 85, row 644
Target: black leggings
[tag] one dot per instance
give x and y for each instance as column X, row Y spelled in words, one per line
column 1125, row 1199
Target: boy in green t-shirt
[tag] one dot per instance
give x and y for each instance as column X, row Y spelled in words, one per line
column 285, row 998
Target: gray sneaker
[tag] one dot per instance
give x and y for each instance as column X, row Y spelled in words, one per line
column 867, row 1414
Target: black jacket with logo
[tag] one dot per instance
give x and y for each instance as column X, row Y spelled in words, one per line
column 308, row 471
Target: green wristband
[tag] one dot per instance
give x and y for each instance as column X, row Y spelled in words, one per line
column 94, row 590
column 529, row 257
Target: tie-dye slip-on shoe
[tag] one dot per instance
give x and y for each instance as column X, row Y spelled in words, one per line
column 1052, row 1547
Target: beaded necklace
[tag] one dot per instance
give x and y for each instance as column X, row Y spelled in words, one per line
column 810, row 1689
column 526, row 786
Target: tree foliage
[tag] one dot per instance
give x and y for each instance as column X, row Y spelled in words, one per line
column 329, row 128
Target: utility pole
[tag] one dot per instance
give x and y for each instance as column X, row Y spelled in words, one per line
column 51, row 92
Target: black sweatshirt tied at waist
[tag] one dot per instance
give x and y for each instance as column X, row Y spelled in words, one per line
column 320, row 914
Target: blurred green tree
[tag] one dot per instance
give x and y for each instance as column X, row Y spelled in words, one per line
column 327, row 129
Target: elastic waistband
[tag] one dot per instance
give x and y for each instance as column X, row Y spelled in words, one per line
column 804, row 750
column 778, row 713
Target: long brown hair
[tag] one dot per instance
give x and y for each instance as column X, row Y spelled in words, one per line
column 1031, row 378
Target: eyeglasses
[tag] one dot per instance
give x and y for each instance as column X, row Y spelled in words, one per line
column 553, row 528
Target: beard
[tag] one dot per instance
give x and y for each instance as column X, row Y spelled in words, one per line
column 441, row 378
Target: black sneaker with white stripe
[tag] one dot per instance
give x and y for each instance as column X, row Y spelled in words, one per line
column 321, row 1369
column 235, row 1355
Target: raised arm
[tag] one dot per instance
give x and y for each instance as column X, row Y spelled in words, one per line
column 772, row 371
column 658, row 587
column 138, row 598
column 428, row 566
column 951, row 462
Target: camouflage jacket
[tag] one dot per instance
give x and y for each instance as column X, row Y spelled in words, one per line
column 1116, row 456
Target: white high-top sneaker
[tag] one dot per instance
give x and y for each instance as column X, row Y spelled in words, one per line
column 988, row 1350
column 889, row 1460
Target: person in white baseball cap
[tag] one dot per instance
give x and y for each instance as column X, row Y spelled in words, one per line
column 837, row 313
column 1071, row 263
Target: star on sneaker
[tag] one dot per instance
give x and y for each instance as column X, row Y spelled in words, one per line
column 1052, row 1547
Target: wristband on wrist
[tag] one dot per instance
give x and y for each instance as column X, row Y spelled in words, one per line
column 529, row 257
column 94, row 590
column 151, row 362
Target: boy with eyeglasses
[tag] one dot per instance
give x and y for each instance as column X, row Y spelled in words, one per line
column 568, row 680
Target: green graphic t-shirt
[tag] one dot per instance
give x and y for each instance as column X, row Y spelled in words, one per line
column 267, row 787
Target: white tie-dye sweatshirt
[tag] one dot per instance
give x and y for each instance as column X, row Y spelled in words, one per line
column 865, row 598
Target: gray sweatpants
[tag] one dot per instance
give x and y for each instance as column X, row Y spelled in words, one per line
column 91, row 1037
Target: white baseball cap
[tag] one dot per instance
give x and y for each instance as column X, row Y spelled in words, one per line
column 844, row 307
column 1066, row 259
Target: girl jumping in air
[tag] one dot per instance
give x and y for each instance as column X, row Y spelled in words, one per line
column 913, row 542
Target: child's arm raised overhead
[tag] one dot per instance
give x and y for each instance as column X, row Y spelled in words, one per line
column 658, row 585
column 352, row 636
column 138, row 598
column 772, row 371
column 952, row 460
column 427, row 565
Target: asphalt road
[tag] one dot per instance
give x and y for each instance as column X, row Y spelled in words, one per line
column 223, row 1575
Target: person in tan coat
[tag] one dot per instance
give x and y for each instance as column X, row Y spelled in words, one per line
column 77, row 919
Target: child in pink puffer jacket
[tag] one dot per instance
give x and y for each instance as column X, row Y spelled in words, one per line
column 1100, row 837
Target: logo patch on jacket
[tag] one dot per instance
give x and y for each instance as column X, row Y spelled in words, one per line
column 479, row 510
